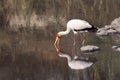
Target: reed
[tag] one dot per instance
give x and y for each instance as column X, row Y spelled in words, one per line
column 19, row 12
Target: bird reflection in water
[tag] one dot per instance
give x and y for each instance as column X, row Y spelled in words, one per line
column 77, row 64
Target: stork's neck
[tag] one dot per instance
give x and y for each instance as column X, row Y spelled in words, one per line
column 65, row 55
column 64, row 32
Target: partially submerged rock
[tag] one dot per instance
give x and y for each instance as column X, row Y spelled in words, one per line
column 113, row 28
column 116, row 48
column 111, row 31
column 105, row 31
column 102, row 33
column 89, row 48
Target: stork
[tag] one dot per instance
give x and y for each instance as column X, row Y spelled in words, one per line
column 75, row 25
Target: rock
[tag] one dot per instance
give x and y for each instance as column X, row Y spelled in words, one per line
column 115, row 24
column 102, row 33
column 89, row 48
column 105, row 31
column 111, row 31
column 113, row 28
column 116, row 48
column 107, row 27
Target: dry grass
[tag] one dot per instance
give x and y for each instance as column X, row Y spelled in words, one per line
column 41, row 13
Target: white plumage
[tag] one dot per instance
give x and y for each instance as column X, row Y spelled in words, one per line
column 76, row 64
column 116, row 48
column 78, row 24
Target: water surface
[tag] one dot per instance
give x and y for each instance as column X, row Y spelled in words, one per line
column 29, row 57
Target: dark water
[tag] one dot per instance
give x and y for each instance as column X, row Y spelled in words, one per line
column 29, row 57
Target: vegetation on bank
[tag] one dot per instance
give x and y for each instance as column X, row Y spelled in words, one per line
column 42, row 13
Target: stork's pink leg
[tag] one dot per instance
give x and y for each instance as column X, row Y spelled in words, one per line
column 75, row 45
